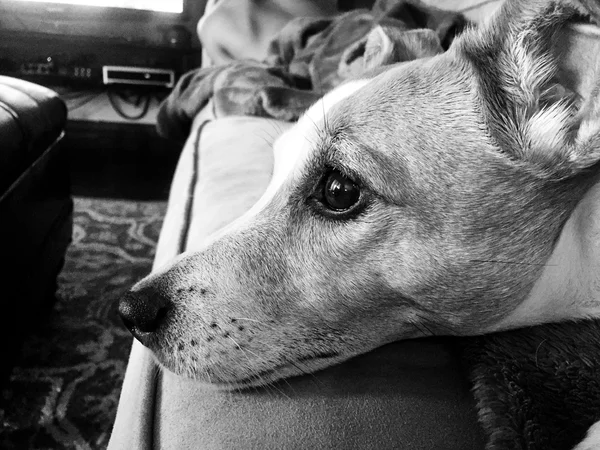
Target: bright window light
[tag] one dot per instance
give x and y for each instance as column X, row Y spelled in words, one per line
column 172, row 6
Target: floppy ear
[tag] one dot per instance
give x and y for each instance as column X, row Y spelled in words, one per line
column 538, row 78
column 387, row 45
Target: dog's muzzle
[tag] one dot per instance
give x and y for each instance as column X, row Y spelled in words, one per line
column 143, row 312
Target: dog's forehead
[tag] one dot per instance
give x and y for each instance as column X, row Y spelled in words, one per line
column 416, row 121
column 414, row 101
column 361, row 109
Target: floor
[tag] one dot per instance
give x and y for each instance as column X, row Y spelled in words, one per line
column 120, row 161
column 62, row 395
column 64, row 389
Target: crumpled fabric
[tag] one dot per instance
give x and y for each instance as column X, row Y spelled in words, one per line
column 308, row 58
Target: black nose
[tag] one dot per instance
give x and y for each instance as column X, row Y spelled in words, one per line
column 143, row 312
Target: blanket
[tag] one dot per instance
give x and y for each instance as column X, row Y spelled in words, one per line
column 309, row 57
column 536, row 388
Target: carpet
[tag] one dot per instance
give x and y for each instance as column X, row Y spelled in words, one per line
column 63, row 393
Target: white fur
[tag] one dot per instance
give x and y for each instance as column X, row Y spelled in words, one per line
column 548, row 128
column 569, row 286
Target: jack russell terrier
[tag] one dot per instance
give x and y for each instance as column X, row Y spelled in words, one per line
column 457, row 194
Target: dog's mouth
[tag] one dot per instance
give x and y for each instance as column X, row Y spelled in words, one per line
column 301, row 366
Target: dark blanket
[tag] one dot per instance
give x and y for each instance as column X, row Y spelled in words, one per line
column 309, row 57
column 536, row 388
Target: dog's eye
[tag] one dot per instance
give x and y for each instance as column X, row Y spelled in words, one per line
column 340, row 193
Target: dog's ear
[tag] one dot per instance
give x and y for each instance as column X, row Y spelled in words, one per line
column 538, row 79
column 387, row 45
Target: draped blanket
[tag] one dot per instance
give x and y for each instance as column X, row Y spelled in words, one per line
column 309, row 57
column 536, row 388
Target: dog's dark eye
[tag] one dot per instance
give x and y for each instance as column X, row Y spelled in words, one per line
column 340, row 193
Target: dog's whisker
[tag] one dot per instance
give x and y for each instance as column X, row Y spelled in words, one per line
column 306, row 372
column 446, row 328
column 272, row 135
column 273, row 387
column 498, row 261
column 418, row 327
column 259, row 358
column 429, row 331
column 298, row 365
column 321, row 94
column 313, row 122
column 310, row 141
column 537, row 350
column 268, row 139
column 289, row 385
column 235, row 342
column 426, row 323
column 278, row 128
column 254, row 375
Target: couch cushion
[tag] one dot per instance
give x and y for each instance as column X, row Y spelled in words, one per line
column 32, row 117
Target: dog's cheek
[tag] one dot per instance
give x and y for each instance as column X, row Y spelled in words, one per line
column 354, row 275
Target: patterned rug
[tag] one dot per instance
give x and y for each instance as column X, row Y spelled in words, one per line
column 64, row 392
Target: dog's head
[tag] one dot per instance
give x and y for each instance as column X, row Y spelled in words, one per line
column 422, row 200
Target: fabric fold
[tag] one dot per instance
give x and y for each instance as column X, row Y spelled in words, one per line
column 306, row 59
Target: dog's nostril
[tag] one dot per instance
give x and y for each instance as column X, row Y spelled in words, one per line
column 161, row 314
column 142, row 312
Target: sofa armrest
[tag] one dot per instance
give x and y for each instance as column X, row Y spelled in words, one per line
column 32, row 117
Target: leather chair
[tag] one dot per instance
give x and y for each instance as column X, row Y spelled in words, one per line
column 36, row 209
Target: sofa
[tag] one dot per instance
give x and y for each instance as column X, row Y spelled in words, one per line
column 35, row 207
column 415, row 394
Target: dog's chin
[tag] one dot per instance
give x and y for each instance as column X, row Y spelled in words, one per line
column 252, row 379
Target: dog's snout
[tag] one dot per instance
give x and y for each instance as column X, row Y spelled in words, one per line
column 142, row 312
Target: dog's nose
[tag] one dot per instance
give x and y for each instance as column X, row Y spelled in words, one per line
column 142, row 312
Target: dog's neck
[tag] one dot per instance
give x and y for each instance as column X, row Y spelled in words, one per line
column 569, row 287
